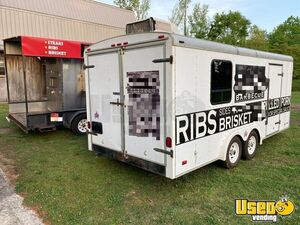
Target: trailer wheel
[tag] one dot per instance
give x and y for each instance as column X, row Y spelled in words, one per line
column 78, row 125
column 234, row 153
column 250, row 146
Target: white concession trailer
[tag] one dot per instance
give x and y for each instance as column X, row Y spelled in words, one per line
column 171, row 104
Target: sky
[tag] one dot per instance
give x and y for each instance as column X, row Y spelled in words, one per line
column 267, row 14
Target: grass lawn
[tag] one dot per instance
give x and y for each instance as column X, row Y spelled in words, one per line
column 67, row 184
column 296, row 85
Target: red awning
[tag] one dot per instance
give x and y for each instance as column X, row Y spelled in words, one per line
column 48, row 47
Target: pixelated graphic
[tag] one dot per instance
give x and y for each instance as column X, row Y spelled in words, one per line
column 250, row 83
column 258, row 110
column 144, row 104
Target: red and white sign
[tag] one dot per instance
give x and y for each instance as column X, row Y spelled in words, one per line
column 45, row 47
column 54, row 117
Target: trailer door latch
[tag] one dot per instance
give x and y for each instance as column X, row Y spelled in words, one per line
column 170, row 153
column 118, row 103
column 170, row 60
column 88, row 67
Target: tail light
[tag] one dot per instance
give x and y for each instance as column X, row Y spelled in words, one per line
column 169, row 142
column 54, row 115
column 119, row 44
column 88, row 124
column 184, row 162
column 161, row 36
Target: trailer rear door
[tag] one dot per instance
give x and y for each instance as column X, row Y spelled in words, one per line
column 126, row 100
column 104, row 90
column 144, row 100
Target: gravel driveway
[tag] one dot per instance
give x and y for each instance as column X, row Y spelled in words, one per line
column 12, row 212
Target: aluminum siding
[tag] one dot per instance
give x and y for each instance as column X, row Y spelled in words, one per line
column 83, row 10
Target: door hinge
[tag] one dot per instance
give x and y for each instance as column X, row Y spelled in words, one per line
column 170, row 153
column 170, row 60
column 88, row 67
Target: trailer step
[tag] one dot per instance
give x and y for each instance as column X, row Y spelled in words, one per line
column 47, row 128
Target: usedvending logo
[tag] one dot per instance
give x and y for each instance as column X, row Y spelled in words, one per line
column 267, row 211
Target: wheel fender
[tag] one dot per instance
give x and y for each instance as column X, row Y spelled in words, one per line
column 73, row 116
column 225, row 144
column 249, row 130
column 76, row 114
column 243, row 134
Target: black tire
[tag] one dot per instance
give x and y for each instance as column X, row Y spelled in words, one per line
column 250, row 146
column 76, row 127
column 233, row 155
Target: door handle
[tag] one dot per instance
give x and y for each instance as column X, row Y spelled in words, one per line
column 88, row 66
column 170, row 60
column 170, row 153
column 118, row 103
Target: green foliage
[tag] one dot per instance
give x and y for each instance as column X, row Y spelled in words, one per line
column 199, row 21
column 296, row 85
column 285, row 39
column 230, row 28
column 258, row 39
column 140, row 8
column 142, row 13
column 179, row 14
column 287, row 32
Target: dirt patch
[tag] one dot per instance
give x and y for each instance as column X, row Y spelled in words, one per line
column 5, row 130
column 9, row 168
column 296, row 107
column 12, row 210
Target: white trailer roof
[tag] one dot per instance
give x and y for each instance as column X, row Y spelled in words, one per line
column 188, row 42
column 179, row 40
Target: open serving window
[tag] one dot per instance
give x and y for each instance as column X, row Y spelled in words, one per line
column 43, row 76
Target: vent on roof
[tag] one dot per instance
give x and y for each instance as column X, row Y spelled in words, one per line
column 151, row 25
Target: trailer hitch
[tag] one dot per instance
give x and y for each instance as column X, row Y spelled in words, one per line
column 170, row 153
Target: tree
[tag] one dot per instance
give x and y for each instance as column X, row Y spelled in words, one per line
column 231, row 28
column 179, row 14
column 258, row 39
column 285, row 39
column 140, row 8
column 287, row 32
column 199, row 21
